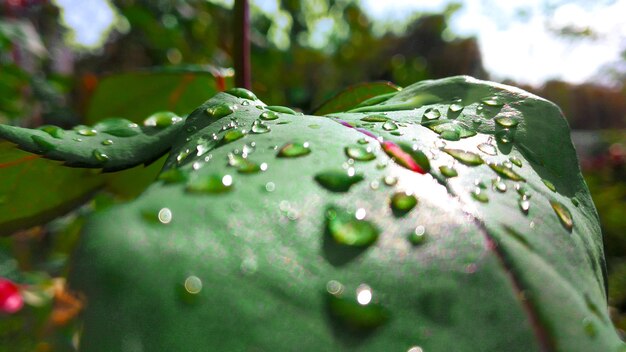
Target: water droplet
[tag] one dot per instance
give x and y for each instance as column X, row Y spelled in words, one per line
column 374, row 185
column 338, row 180
column 397, row 133
column 488, row 149
column 504, row 136
column 390, row 126
column 100, row 156
column 499, row 185
column 268, row 115
column 407, row 156
column 193, row 285
column 563, row 214
column 402, row 203
column 575, row 202
column 524, row 204
column 492, row 102
column 480, row 195
column 589, row 327
column 418, row 235
column 270, row 187
column 54, row 131
column 516, row 161
column 375, row 118
column 360, row 153
column 415, row 349
column 282, row 109
column 345, row 228
column 43, row 144
column 293, row 150
column 390, row 180
column 506, row 121
column 162, row 119
column 506, row 172
column 107, row 142
column 231, row 136
column 182, row 156
column 467, row 158
column 432, row 114
column 361, row 311
column 456, row 107
column 85, row 131
column 118, row 127
column 549, row 184
column 210, row 184
column 241, row 93
column 450, row 135
column 165, row 216
column 245, row 166
column 220, row 110
column 448, row 171
column 362, row 141
column 173, row 175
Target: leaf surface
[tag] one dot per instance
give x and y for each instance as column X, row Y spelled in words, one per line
column 248, row 242
column 355, row 95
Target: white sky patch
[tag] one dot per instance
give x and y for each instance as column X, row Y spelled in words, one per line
column 89, row 21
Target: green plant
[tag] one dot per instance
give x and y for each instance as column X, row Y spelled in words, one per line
column 449, row 215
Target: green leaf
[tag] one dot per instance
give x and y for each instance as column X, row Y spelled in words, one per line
column 358, row 94
column 35, row 190
column 210, row 258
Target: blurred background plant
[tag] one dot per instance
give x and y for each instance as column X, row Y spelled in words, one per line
column 54, row 55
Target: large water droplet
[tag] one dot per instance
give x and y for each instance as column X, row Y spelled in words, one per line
column 488, row 149
column 480, row 195
column 432, row 114
column 493, row 101
column 506, row 172
column 375, row 118
column 162, row 119
column 85, row 131
column 282, row 109
column 456, row 107
column 448, row 171
column 293, row 150
column 210, row 184
column 241, row 93
column 390, row 126
column 549, row 184
column 516, row 161
column 465, row 157
column 402, row 203
column 360, row 153
column 499, row 185
column 259, row 127
column 100, row 156
column 232, row 135
column 407, row 156
column 245, row 166
column 418, row 235
column 504, row 136
column 345, row 228
column 565, row 217
column 43, row 144
column 358, row 311
column 506, row 121
column 118, row 127
column 107, row 142
column 338, row 180
column 164, row 216
column 268, row 115
column 524, row 204
column 54, row 131
column 220, row 110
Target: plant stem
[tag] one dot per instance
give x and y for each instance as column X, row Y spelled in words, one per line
column 241, row 44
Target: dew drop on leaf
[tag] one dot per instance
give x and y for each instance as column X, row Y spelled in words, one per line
column 516, row 161
column 220, row 110
column 506, row 121
column 417, row 236
column 214, row 183
column 448, row 171
column 549, row 184
column 100, row 156
column 492, row 102
column 350, row 229
column 360, row 153
column 589, row 327
column 338, row 180
column 268, row 116
column 118, row 127
column 107, row 142
column 193, row 285
column 480, row 195
column 431, row 114
column 456, row 107
column 165, row 216
column 294, row 150
column 281, row 109
column 162, row 119
column 565, row 217
column 506, row 172
column 241, row 93
column 524, row 205
column 390, row 180
column 401, row 203
column 270, row 187
column 390, row 126
column 488, row 149
column 85, row 131
column 375, row 118
column 232, row 136
column 360, row 310
column 43, row 144
column 54, row 131
column 499, row 185
column 467, row 158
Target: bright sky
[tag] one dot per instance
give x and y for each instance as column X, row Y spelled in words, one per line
column 517, row 37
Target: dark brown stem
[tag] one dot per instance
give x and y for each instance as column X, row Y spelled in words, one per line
column 241, row 44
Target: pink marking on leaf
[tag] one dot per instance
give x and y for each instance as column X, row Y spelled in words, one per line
column 403, row 158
